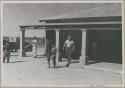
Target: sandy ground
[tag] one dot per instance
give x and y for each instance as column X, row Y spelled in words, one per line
column 28, row 71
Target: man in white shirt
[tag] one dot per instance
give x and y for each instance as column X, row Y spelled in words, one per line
column 34, row 47
column 69, row 44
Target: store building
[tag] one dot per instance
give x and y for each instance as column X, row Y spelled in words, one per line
column 97, row 33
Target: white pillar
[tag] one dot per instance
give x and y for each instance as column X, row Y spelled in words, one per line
column 22, row 40
column 57, row 45
column 45, row 41
column 83, row 58
column 20, row 52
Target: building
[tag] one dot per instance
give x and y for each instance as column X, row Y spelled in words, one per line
column 97, row 33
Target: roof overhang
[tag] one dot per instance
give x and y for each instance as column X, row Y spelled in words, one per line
column 88, row 19
column 83, row 25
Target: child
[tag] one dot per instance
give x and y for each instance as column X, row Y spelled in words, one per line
column 53, row 55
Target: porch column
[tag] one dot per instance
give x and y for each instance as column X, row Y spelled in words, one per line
column 22, row 41
column 45, row 42
column 84, row 59
column 57, row 45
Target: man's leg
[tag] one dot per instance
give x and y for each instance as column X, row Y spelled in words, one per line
column 69, row 60
column 48, row 58
column 69, row 57
column 35, row 51
column 4, row 57
column 68, row 63
column 8, row 57
column 54, row 60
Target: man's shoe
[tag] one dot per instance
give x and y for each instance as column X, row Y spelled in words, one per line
column 67, row 65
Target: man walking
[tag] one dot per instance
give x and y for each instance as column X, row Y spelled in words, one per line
column 69, row 44
column 34, row 47
column 6, row 50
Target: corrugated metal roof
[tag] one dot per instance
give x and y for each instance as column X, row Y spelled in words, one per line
column 112, row 10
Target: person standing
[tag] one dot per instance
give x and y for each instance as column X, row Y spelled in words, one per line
column 69, row 44
column 6, row 50
column 34, row 47
column 53, row 55
column 48, row 51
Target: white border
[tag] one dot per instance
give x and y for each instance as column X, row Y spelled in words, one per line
column 93, row 1
column 1, row 35
column 96, row 86
column 123, row 45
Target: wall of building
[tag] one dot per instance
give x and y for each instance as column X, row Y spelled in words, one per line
column 101, row 45
column 105, row 46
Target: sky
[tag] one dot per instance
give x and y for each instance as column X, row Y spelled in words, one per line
column 16, row 14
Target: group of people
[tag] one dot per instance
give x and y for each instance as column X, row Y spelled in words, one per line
column 50, row 50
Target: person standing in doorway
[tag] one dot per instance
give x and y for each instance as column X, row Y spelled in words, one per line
column 34, row 47
column 6, row 50
column 69, row 44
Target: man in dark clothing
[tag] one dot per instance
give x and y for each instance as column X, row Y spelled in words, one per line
column 6, row 50
column 53, row 55
column 48, row 51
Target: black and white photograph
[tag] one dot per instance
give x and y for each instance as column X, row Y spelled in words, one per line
column 62, row 44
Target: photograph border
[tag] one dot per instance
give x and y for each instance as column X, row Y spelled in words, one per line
column 74, row 1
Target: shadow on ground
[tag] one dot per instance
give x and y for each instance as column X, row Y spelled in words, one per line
column 17, row 61
column 57, row 67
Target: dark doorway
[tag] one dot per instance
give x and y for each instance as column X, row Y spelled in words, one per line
column 105, row 46
column 51, row 35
